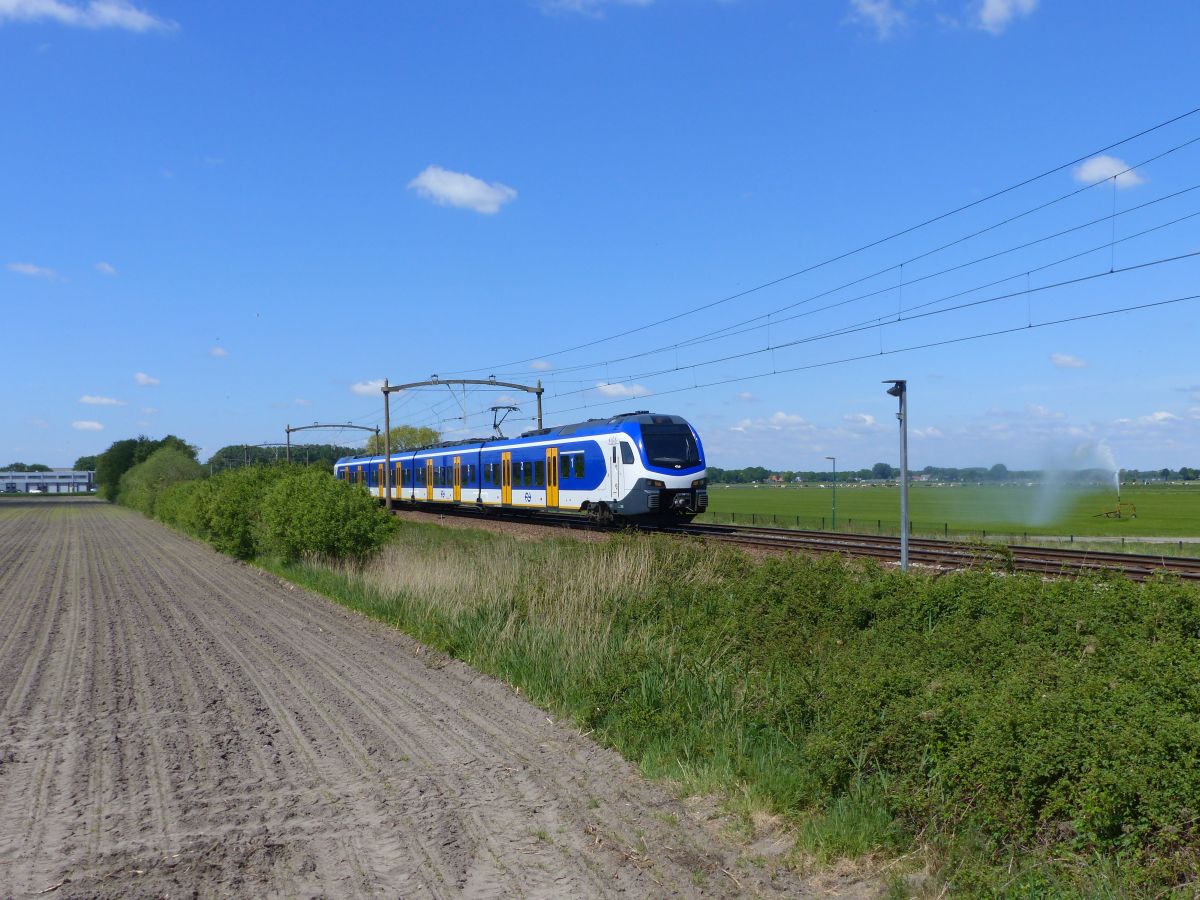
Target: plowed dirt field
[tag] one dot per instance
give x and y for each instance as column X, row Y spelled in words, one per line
column 175, row 723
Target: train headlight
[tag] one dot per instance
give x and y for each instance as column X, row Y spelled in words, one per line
column 650, row 482
column 699, row 482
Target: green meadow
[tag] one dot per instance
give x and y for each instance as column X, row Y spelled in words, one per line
column 1001, row 510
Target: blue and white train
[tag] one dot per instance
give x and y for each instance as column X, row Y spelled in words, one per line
column 634, row 466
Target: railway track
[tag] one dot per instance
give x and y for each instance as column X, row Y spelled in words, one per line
column 935, row 554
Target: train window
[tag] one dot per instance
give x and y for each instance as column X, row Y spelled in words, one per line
column 527, row 473
column 539, row 474
column 516, row 473
column 579, row 465
column 487, row 473
column 626, row 454
column 564, row 467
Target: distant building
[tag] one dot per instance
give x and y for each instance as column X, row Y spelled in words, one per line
column 56, row 481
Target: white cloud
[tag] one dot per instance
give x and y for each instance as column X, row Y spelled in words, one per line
column 218, row 352
column 587, row 7
column 997, row 15
column 367, row 388
column 745, row 396
column 1100, row 168
column 1037, row 411
column 30, row 269
column 149, row 410
column 146, row 380
column 447, row 188
column 541, row 365
column 860, row 419
column 87, row 425
column 92, row 14
column 93, row 400
column 105, row 268
column 927, row 433
column 1160, row 417
column 1067, row 361
column 882, row 15
column 40, row 423
column 781, row 418
column 300, row 401
column 620, row 390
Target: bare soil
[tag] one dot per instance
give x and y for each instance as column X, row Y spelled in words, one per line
column 175, row 723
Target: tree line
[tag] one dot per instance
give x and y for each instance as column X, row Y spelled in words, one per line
column 998, row 473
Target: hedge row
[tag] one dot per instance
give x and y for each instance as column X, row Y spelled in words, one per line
column 286, row 512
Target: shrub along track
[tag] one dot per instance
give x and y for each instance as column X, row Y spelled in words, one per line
column 174, row 721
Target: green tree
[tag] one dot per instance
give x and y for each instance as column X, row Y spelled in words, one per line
column 123, row 455
column 141, row 486
column 235, row 456
column 85, row 464
column 881, row 471
column 404, row 437
column 25, row 467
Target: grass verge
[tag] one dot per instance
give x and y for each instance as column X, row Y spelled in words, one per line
column 1025, row 737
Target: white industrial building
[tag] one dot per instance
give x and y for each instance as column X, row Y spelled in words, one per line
column 56, row 481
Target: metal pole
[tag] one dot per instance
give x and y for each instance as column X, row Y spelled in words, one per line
column 387, row 446
column 833, row 510
column 899, row 389
column 539, row 402
column 289, row 444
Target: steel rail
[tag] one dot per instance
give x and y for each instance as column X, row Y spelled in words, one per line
column 930, row 553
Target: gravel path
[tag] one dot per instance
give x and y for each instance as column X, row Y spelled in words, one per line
column 174, row 723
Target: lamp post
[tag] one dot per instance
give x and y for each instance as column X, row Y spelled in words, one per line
column 899, row 389
column 833, row 509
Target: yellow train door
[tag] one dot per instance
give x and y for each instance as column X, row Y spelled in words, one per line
column 429, row 479
column 552, row 477
column 506, row 478
column 398, row 481
column 382, row 489
column 458, row 479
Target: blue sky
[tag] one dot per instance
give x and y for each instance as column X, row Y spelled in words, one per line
column 222, row 218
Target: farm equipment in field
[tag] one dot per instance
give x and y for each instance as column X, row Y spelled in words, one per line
column 1123, row 510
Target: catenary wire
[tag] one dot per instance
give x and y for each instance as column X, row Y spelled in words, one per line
column 870, row 245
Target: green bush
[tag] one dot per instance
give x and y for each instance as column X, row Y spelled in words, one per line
column 310, row 513
column 234, row 508
column 1042, row 737
column 186, row 506
column 141, row 485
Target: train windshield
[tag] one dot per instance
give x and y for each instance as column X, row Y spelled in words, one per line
column 670, row 446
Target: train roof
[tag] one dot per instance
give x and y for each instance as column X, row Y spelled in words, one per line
column 586, row 427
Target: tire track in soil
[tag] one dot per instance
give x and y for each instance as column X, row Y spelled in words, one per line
column 38, row 748
column 190, row 724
